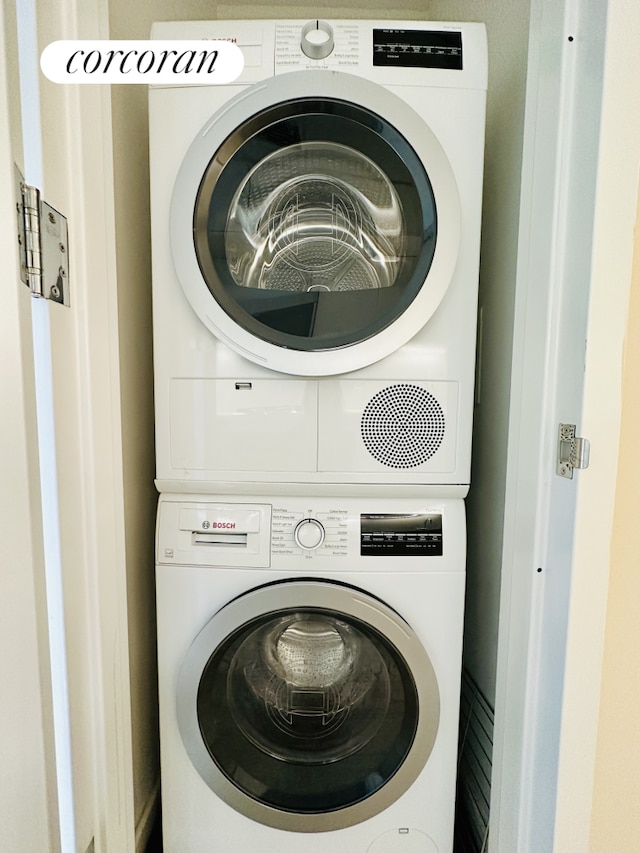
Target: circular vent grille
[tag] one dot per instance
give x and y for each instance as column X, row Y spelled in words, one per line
column 402, row 426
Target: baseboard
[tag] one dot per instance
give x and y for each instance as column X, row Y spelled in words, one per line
column 145, row 824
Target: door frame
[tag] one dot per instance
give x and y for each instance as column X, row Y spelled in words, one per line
column 28, row 823
column 528, row 491
column 76, row 167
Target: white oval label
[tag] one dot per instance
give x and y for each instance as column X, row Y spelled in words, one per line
column 161, row 62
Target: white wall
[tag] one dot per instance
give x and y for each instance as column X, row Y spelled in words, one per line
column 131, row 183
column 615, row 822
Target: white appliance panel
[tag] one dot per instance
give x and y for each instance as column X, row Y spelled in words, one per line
column 371, row 426
column 243, row 424
column 426, row 591
column 191, row 361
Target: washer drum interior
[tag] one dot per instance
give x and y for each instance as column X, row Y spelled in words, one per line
column 308, row 705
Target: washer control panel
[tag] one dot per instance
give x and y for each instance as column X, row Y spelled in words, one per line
column 309, row 534
column 401, row 534
column 282, row 534
column 309, row 531
column 337, row 533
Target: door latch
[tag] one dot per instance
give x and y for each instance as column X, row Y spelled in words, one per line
column 573, row 452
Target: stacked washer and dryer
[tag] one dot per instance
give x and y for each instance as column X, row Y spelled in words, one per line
column 316, row 231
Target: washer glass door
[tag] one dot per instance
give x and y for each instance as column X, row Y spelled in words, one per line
column 306, row 711
column 315, row 224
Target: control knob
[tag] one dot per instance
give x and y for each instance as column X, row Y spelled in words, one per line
column 316, row 39
column 309, row 534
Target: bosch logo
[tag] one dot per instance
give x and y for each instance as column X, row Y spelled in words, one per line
column 223, row 525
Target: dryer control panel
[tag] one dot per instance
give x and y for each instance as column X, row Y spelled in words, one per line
column 317, row 44
column 417, row 49
column 344, row 44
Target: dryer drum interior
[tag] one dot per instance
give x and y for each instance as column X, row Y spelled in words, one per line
column 315, row 224
column 308, row 710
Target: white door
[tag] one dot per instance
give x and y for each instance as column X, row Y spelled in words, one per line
column 69, row 781
column 579, row 194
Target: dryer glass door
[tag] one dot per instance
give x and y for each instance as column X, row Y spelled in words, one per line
column 315, row 224
column 306, row 715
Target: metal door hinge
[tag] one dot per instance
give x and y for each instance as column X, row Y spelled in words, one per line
column 573, row 452
column 43, row 242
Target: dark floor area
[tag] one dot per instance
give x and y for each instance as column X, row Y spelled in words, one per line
column 154, row 845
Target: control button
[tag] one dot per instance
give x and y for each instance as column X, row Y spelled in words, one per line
column 309, row 534
column 316, row 39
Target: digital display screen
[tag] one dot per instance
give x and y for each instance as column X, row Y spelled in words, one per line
column 417, row 49
column 406, row 535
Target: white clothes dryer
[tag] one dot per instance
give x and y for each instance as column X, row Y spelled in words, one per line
column 316, row 232
column 309, row 673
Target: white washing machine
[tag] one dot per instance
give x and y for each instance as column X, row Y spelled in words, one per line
column 316, row 233
column 309, row 669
